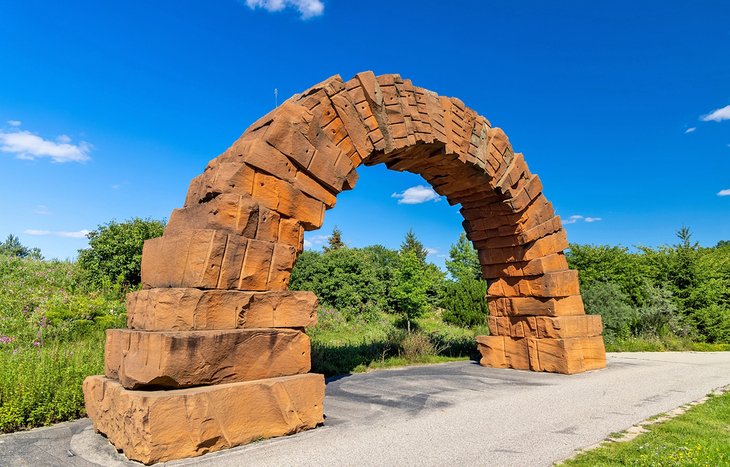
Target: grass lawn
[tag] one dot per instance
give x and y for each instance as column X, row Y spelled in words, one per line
column 699, row 437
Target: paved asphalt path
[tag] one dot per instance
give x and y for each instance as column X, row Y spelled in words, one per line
column 447, row 414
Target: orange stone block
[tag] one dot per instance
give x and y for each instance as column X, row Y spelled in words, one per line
column 212, row 259
column 158, row 426
column 569, row 326
column 568, row 356
column 534, row 306
column 177, row 359
column 551, row 284
column 175, row 309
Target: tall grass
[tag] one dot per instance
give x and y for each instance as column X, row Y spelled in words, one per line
column 51, row 338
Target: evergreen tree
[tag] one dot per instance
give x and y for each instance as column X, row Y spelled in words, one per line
column 12, row 247
column 334, row 241
column 411, row 243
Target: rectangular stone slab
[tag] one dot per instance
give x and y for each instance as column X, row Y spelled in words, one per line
column 568, row 356
column 187, row 309
column 534, row 306
column 550, row 284
column 546, row 327
column 214, row 259
column 178, row 359
column 157, row 426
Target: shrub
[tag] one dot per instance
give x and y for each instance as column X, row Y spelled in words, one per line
column 607, row 299
column 114, row 255
column 465, row 302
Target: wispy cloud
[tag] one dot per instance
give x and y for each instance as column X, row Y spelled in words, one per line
column 578, row 218
column 717, row 115
column 416, row 195
column 690, row 130
column 41, row 210
column 26, row 145
column 314, row 241
column 306, row 8
column 724, row 192
column 61, row 233
column 431, row 251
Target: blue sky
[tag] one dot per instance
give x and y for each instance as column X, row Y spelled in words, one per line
column 107, row 110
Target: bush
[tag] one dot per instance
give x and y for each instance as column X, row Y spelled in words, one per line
column 344, row 279
column 114, row 255
column 608, row 300
column 465, row 302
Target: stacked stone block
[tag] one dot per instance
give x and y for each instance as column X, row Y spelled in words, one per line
column 216, row 354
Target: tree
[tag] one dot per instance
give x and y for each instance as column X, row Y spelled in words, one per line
column 334, row 241
column 410, row 287
column 344, row 279
column 411, row 243
column 12, row 247
column 114, row 255
column 463, row 260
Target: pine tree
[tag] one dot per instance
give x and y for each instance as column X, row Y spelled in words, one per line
column 411, row 243
column 334, row 241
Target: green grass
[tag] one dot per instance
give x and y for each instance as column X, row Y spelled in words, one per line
column 51, row 338
column 699, row 437
column 661, row 344
column 341, row 345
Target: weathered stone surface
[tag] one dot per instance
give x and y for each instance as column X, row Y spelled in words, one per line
column 569, row 326
column 568, row 356
column 536, row 306
column 176, row 309
column 550, row 284
column 157, row 426
column 546, row 327
column 550, row 263
column 214, row 259
column 176, row 359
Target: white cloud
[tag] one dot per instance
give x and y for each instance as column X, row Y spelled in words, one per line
column 314, row 241
column 431, row 251
column 25, row 145
column 690, row 130
column 576, row 218
column 36, row 232
column 15, row 123
column 41, row 210
column 77, row 234
column 307, row 8
column 717, row 115
column 724, row 192
column 416, row 195
column 572, row 220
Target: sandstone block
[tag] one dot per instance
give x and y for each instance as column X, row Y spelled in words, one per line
column 176, row 309
column 523, row 326
column 212, row 259
column 568, row 356
column 534, row 306
column 176, row 359
column 569, row 326
column 551, row 244
column 157, row 426
column 551, row 284
column 535, row 267
column 571, row 355
column 235, row 214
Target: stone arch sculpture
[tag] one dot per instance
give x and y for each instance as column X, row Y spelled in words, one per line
column 215, row 354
